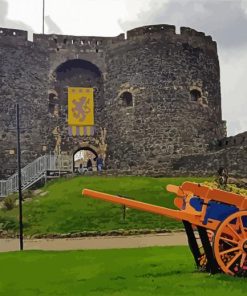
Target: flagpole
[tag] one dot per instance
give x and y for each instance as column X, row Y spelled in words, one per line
column 43, row 18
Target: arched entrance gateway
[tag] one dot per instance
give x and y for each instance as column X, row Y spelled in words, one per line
column 81, row 159
column 76, row 108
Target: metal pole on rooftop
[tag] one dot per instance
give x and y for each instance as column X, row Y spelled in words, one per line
column 19, row 175
column 43, row 18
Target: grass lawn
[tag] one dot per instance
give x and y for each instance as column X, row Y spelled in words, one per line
column 64, row 209
column 139, row 272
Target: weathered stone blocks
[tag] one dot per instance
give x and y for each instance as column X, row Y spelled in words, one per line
column 172, row 79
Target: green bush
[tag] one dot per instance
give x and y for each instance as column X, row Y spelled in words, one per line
column 8, row 223
column 9, row 202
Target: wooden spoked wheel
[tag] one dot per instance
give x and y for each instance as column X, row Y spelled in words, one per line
column 230, row 244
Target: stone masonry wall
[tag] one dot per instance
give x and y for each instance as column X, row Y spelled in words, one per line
column 23, row 79
column 172, row 81
column 233, row 158
column 159, row 69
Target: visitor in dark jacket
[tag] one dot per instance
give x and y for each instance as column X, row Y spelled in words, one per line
column 89, row 165
column 99, row 163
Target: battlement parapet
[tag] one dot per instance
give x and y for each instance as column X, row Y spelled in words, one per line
column 12, row 36
column 96, row 44
column 149, row 30
column 186, row 31
column 198, row 38
column 237, row 140
column 83, row 43
column 188, row 35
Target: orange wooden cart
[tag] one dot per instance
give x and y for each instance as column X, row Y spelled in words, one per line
column 219, row 218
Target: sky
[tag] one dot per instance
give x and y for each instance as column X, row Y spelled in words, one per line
column 224, row 20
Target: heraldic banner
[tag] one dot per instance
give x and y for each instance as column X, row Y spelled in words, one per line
column 80, row 107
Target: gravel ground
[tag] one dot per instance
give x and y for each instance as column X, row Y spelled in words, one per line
column 109, row 242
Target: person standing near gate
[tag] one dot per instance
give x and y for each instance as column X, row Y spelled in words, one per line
column 99, row 163
column 89, row 165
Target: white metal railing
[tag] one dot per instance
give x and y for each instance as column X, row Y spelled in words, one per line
column 36, row 170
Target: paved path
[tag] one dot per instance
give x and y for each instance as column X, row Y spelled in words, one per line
column 109, row 242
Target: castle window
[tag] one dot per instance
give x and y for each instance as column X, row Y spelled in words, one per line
column 195, row 95
column 127, row 99
column 65, row 41
column 1, row 31
column 14, row 33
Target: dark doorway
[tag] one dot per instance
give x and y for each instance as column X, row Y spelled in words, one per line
column 82, row 158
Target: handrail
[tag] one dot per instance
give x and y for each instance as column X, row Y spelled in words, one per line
column 34, row 171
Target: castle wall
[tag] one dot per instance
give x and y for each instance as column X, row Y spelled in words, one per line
column 160, row 69
column 157, row 97
column 24, row 71
column 29, row 76
column 88, row 70
column 233, row 141
column 233, row 157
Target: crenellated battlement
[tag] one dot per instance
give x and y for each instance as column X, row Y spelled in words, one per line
column 163, row 31
column 88, row 43
column 237, row 140
column 149, row 30
column 96, row 44
column 13, row 36
column 186, row 31
column 197, row 38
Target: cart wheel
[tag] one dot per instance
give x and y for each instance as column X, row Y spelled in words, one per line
column 230, row 244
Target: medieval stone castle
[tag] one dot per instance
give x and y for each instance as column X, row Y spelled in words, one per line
column 157, row 101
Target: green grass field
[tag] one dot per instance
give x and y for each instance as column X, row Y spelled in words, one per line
column 139, row 272
column 64, row 210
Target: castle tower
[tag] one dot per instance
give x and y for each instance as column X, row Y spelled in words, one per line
column 156, row 96
column 163, row 98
